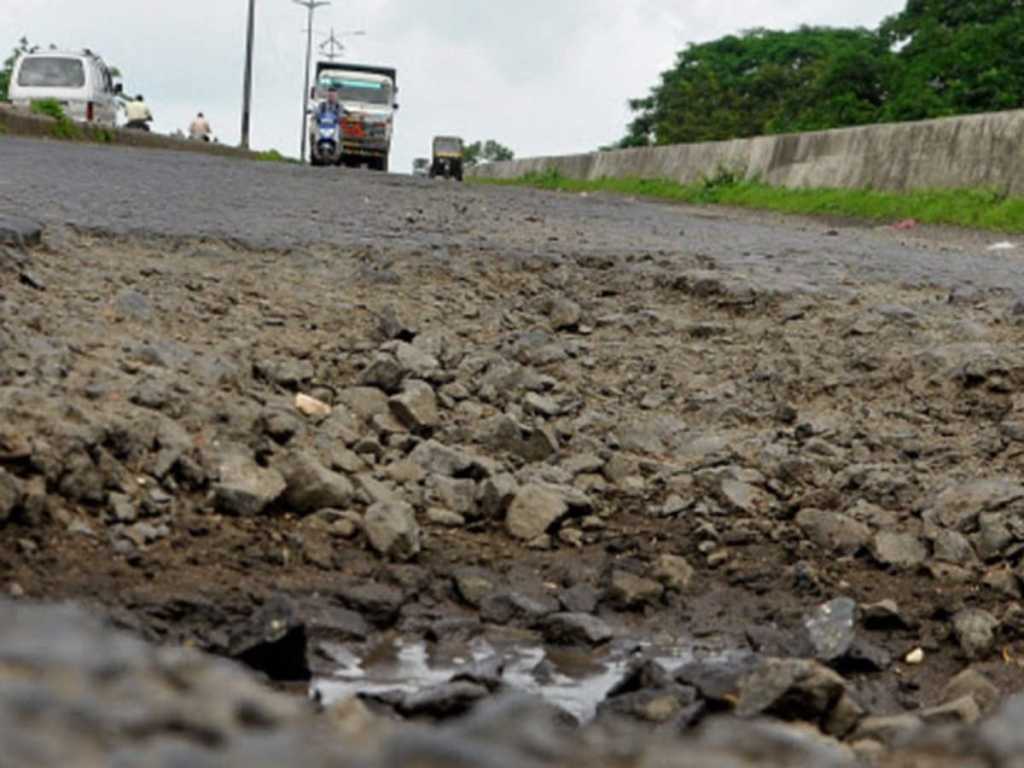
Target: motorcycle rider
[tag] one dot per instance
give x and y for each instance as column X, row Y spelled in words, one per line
column 331, row 105
column 137, row 114
column 199, row 130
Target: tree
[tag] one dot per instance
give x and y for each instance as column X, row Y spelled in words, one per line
column 765, row 82
column 486, row 152
column 8, row 68
column 956, row 58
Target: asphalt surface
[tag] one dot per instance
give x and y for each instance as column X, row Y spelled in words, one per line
column 124, row 191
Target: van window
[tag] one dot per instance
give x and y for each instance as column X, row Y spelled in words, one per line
column 51, row 72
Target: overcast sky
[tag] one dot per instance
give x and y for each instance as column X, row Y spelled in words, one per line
column 542, row 76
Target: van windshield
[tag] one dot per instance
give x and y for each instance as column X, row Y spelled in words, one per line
column 51, row 72
column 353, row 88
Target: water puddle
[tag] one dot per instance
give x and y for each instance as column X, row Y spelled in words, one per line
column 575, row 680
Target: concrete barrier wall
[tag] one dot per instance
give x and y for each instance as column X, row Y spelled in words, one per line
column 961, row 152
column 20, row 122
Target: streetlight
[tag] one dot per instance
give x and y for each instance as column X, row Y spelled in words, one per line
column 247, row 85
column 310, row 6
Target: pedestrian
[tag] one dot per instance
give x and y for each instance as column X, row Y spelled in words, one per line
column 199, row 130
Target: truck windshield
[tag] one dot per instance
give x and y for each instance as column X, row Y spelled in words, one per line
column 51, row 72
column 355, row 89
column 448, row 146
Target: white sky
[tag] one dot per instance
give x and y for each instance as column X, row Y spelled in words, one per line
column 541, row 76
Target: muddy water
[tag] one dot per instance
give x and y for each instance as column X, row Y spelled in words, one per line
column 575, row 680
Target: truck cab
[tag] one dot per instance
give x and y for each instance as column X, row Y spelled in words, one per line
column 368, row 95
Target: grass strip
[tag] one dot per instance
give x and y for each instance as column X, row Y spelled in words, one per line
column 971, row 208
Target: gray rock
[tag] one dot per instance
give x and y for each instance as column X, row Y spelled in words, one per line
column 246, row 489
column 581, row 598
column 994, row 535
column 534, row 510
column 111, row 700
column 290, row 373
column 438, row 459
column 898, row 550
column 416, row 407
column 959, row 506
column 673, row 572
column 392, row 530
column 575, row 629
column 834, row 531
column 888, row 729
column 384, row 373
column 445, row 517
column 10, row 494
column 20, row 232
column 719, row 680
column 972, row 683
column 790, row 689
column 418, row 362
column 503, row 434
column 380, row 603
column 474, row 584
column 744, row 497
column 975, row 630
column 459, row 496
column 563, row 313
column 364, row 402
column 495, row 495
column 831, row 629
column 542, row 405
column 950, row 546
column 960, row 711
column 310, row 486
column 444, row 701
column 122, row 508
column 628, row 591
column 505, row 607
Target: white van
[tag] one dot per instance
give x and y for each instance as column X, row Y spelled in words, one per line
column 81, row 82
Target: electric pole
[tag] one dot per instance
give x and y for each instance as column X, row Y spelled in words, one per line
column 247, row 86
column 310, row 6
column 333, row 47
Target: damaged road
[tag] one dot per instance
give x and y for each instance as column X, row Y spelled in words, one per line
column 289, row 417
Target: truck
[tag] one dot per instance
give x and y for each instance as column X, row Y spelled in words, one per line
column 368, row 94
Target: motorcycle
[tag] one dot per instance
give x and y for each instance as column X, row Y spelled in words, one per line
column 326, row 149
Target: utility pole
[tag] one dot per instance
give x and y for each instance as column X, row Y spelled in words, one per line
column 310, row 6
column 247, row 86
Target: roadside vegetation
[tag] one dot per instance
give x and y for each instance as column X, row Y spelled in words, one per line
column 973, row 208
column 936, row 58
column 64, row 127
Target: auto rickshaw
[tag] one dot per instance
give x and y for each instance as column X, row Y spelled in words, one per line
column 420, row 167
column 447, row 162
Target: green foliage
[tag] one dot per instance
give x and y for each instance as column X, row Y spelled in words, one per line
column 486, row 152
column 765, row 82
column 48, row 108
column 273, row 156
column 936, row 58
column 8, row 67
column 977, row 208
column 64, row 127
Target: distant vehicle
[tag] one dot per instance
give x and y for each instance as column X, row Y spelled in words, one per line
column 81, row 82
column 368, row 95
column 447, row 161
column 421, row 166
column 325, row 146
